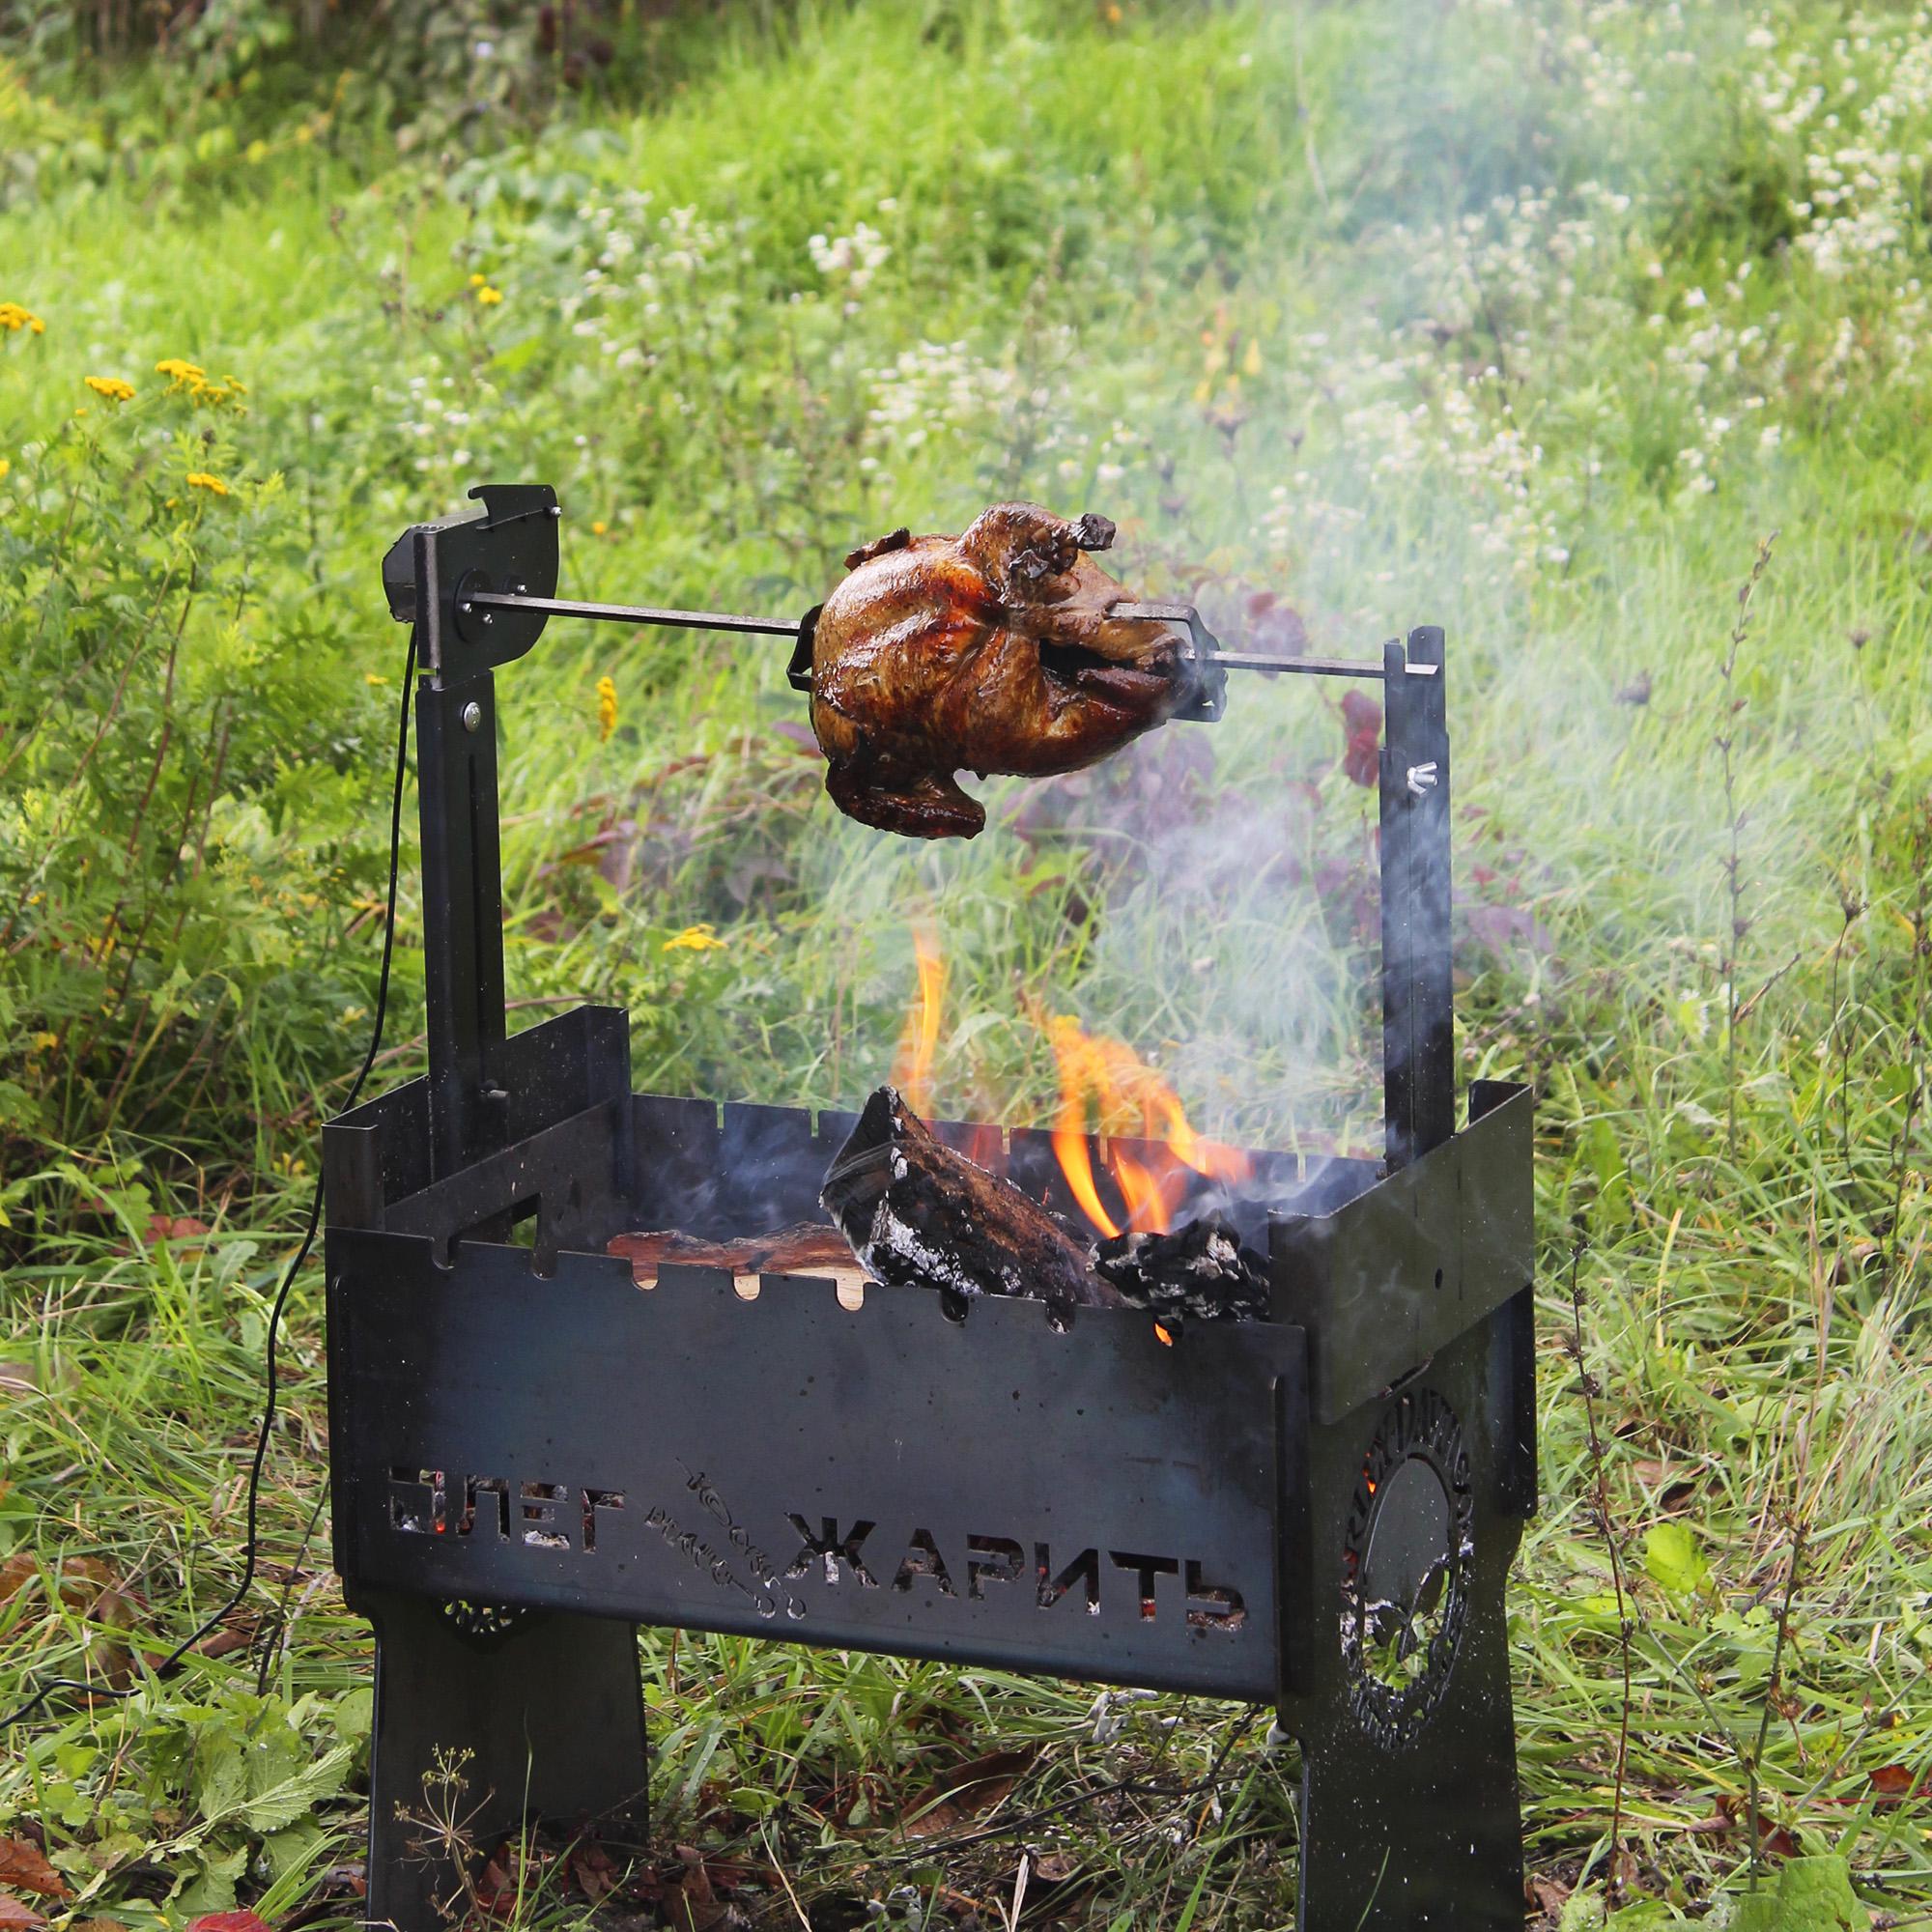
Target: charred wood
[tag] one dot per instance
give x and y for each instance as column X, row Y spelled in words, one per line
column 920, row 1215
column 1200, row 1272
column 805, row 1247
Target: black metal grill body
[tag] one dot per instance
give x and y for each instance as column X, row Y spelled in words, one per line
column 1317, row 1512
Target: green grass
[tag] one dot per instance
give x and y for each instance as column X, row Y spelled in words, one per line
column 1498, row 319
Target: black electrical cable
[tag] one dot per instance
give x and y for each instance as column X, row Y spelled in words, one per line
column 314, row 1223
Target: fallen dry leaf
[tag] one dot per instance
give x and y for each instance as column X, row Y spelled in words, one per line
column 24, row 1866
column 1056, row 1867
column 97, row 1926
column 17, row 1915
column 691, row 1903
column 1549, row 1896
column 595, row 1871
column 346, row 1879
column 174, row 1228
column 1674, row 1483
column 965, row 1792
column 228, row 1921
column 496, row 1889
column 90, row 1586
column 18, row 1569
column 1894, row 1783
column 225, row 1641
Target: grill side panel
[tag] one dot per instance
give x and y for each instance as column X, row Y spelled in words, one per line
column 1091, row 1504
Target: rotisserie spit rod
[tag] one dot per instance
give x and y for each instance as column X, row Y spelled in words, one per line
column 1205, row 649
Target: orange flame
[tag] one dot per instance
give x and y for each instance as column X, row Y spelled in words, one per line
column 1107, row 1088
column 918, row 1043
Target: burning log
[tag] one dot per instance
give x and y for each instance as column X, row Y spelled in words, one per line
column 1200, row 1272
column 915, row 1214
column 920, row 1215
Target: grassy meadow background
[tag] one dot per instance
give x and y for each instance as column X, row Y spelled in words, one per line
column 1595, row 332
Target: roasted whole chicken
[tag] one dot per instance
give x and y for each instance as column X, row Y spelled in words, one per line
column 993, row 651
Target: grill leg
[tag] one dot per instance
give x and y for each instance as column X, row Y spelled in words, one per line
column 1429, row 1837
column 550, row 1715
column 1410, row 1812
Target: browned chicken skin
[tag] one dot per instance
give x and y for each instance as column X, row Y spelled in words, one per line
column 987, row 652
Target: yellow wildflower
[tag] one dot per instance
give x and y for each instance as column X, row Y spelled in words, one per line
column 5, row 467
column 479, row 281
column 374, row 679
column 606, row 709
column 13, row 318
column 192, row 378
column 598, row 529
column 199, row 479
column 110, row 386
column 44, row 1042
column 694, row 939
column 489, row 297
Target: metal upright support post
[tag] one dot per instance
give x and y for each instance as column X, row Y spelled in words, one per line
column 427, row 574
column 463, row 917
column 1418, row 1024
column 496, row 1712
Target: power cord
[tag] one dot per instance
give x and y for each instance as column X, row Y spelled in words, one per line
column 313, row 1224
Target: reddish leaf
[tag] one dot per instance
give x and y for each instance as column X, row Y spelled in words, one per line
column 24, row 1866
column 174, row 1228
column 692, row 1904
column 1894, row 1783
column 17, row 1915
column 496, row 1889
column 1361, row 731
column 228, row 1921
column 225, row 1642
column 595, row 1871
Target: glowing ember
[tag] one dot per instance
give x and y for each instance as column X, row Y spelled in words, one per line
column 912, row 1067
column 1106, row 1088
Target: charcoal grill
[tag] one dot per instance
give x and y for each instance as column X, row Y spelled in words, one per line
column 531, row 1456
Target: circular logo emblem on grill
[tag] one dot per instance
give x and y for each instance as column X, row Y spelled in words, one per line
column 1407, row 1557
